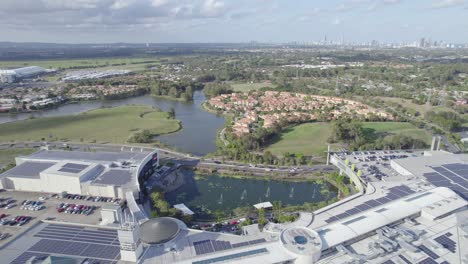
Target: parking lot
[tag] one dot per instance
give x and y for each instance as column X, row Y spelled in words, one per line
column 375, row 165
column 50, row 211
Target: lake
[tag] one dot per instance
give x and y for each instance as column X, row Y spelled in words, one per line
column 199, row 131
column 206, row 194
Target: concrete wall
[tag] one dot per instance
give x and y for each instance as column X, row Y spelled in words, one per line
column 23, row 184
column 59, row 183
column 100, row 190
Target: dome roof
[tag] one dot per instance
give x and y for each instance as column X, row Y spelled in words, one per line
column 159, row 230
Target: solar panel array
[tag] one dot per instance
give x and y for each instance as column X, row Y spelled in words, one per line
column 227, row 258
column 210, row 246
column 78, row 241
column 26, row 256
column 73, row 168
column 394, row 193
column 453, row 176
column 447, row 242
column 429, row 252
column 85, row 250
column 406, row 260
column 428, row 261
column 79, row 234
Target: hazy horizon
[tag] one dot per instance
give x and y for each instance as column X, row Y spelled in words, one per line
column 231, row 21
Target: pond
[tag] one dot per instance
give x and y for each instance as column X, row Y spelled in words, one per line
column 204, row 195
column 199, row 131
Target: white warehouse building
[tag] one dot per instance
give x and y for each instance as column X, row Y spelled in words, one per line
column 9, row 76
column 108, row 174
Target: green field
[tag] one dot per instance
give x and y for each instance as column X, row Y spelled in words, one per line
column 106, row 125
column 246, row 87
column 382, row 129
column 7, row 156
column 310, row 139
column 412, row 107
column 130, row 63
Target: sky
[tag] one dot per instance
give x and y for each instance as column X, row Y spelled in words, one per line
column 211, row 21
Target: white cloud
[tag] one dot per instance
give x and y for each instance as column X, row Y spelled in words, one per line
column 447, row 3
column 337, row 21
column 159, row 3
column 212, row 8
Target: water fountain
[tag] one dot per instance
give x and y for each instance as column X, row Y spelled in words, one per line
column 291, row 193
column 244, row 194
column 267, row 194
column 220, row 201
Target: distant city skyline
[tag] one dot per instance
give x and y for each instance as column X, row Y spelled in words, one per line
column 210, row 21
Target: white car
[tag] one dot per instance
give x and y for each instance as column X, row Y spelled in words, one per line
column 42, row 198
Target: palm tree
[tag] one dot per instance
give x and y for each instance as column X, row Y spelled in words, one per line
column 277, row 208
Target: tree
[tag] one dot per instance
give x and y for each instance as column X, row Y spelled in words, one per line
column 261, row 217
column 171, row 112
column 277, row 208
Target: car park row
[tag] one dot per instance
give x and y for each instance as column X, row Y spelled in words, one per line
column 93, row 199
column 32, row 205
column 17, row 220
column 75, row 208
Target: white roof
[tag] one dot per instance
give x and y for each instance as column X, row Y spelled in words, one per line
column 263, row 205
column 184, row 209
column 360, row 224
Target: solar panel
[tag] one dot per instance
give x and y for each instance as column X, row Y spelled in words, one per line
column 363, row 207
column 405, row 259
column 446, row 242
column 428, row 261
column 26, row 256
column 372, row 203
column 75, row 166
column 257, row 241
column 241, row 244
column 67, row 170
column 429, row 252
column 388, row 262
column 203, row 247
column 221, row 245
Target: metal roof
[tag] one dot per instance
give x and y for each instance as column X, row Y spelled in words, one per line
column 28, row 169
column 159, row 230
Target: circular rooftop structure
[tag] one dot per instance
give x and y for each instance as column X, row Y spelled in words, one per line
column 303, row 242
column 159, row 230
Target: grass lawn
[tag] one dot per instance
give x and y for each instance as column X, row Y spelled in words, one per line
column 7, row 156
column 246, row 87
column 382, row 129
column 310, row 139
column 112, row 125
column 93, row 62
column 423, row 109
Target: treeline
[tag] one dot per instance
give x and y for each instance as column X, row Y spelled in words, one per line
column 249, row 148
column 182, row 89
column 215, row 89
column 357, row 138
column 449, row 121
